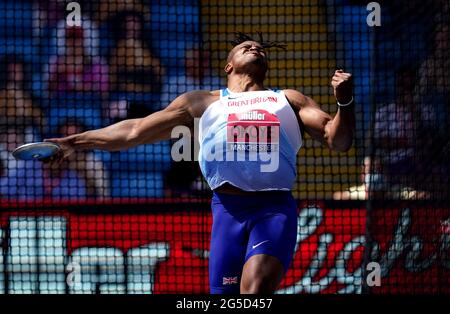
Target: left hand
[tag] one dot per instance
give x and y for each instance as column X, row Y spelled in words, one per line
column 342, row 83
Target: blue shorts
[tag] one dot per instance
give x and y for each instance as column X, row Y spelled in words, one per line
column 244, row 226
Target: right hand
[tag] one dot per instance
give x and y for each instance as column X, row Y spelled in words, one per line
column 342, row 84
column 67, row 149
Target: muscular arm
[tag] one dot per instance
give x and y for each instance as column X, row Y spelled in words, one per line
column 133, row 132
column 334, row 132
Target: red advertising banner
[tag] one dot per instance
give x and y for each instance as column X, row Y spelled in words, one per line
column 412, row 244
column 62, row 251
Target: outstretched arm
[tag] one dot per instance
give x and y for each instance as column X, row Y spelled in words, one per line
column 335, row 132
column 129, row 133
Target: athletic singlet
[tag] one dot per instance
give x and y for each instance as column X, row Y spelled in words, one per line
column 249, row 140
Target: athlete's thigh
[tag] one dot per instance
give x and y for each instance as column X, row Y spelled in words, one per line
column 262, row 273
column 227, row 252
column 269, row 254
column 275, row 234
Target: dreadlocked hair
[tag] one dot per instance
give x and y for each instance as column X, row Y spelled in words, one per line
column 241, row 37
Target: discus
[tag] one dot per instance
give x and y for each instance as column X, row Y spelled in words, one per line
column 36, row 151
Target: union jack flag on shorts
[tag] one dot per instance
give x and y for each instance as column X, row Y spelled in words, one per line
column 230, row 280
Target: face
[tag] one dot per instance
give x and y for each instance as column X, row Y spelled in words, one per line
column 133, row 26
column 441, row 39
column 70, row 129
column 15, row 72
column 197, row 62
column 405, row 82
column 245, row 55
column 12, row 138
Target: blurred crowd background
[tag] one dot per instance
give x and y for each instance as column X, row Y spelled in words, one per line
column 130, row 58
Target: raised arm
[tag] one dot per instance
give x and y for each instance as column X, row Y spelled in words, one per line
column 335, row 132
column 129, row 133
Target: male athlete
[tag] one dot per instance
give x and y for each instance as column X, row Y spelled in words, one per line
column 249, row 138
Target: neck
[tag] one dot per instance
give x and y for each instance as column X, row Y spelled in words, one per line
column 244, row 83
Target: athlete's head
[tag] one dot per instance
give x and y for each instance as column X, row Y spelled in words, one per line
column 249, row 56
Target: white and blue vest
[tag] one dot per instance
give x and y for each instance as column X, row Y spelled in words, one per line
column 250, row 140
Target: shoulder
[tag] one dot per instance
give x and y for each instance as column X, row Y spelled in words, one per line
column 201, row 95
column 196, row 101
column 296, row 98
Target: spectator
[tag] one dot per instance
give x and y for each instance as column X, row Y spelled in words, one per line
column 46, row 14
column 185, row 176
column 134, row 67
column 395, row 135
column 16, row 100
column 91, row 36
column 104, row 10
column 395, row 131
column 20, row 179
column 117, row 110
column 371, row 185
column 82, row 175
column 74, row 69
column 433, row 94
column 197, row 75
column 434, row 72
